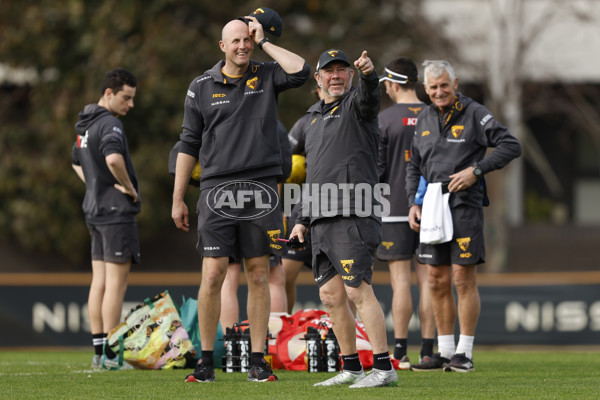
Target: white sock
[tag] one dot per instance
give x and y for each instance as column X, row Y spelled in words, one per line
column 446, row 346
column 465, row 345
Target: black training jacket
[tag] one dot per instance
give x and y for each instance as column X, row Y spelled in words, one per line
column 100, row 133
column 231, row 128
column 397, row 125
column 440, row 149
column 341, row 145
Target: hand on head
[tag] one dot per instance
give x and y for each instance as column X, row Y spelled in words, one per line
column 255, row 29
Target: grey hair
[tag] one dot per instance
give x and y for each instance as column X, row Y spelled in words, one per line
column 436, row 68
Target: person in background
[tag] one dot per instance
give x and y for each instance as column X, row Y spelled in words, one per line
column 398, row 240
column 449, row 150
column 101, row 159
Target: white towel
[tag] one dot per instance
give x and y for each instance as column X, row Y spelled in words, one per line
column 436, row 218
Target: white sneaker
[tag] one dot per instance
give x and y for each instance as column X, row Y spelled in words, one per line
column 344, row 378
column 378, row 378
column 96, row 362
column 113, row 364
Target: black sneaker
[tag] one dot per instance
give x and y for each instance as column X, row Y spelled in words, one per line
column 460, row 363
column 434, row 363
column 202, row 373
column 261, row 372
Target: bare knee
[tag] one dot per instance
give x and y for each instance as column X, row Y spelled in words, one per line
column 331, row 298
column 258, row 276
column 438, row 280
column 464, row 280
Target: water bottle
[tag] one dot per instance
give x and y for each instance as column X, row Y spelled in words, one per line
column 331, row 349
column 244, row 350
column 314, row 350
column 230, row 359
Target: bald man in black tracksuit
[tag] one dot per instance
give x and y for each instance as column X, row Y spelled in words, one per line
column 230, row 127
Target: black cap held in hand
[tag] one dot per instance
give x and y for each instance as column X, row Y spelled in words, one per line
column 268, row 18
column 330, row 56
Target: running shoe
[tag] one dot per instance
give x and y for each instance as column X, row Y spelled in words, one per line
column 202, row 373
column 261, row 372
column 460, row 363
column 96, row 362
column 401, row 364
column 423, row 359
column 114, row 364
column 377, row 378
column 434, row 363
column 343, row 378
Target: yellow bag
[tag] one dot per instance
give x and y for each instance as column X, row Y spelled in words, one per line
column 153, row 337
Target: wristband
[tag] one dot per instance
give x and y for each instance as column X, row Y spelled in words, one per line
column 265, row 40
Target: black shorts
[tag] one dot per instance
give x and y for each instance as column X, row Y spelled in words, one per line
column 467, row 246
column 345, row 246
column 398, row 241
column 115, row 243
column 239, row 235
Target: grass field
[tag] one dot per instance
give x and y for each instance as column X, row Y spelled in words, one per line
column 65, row 374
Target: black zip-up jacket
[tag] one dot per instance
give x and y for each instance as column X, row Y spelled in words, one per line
column 397, row 125
column 231, row 128
column 100, row 133
column 341, row 145
column 446, row 144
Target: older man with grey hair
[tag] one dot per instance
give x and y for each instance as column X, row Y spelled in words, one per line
column 449, row 148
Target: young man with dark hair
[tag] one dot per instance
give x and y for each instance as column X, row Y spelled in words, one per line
column 102, row 161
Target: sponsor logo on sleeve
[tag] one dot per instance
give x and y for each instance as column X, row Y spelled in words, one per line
column 485, row 119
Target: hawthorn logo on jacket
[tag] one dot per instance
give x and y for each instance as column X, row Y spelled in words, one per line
column 457, row 130
column 415, row 110
column 252, row 83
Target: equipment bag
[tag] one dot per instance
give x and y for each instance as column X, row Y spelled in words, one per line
column 152, row 336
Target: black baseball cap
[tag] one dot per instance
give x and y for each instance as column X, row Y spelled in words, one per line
column 330, row 56
column 268, row 18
